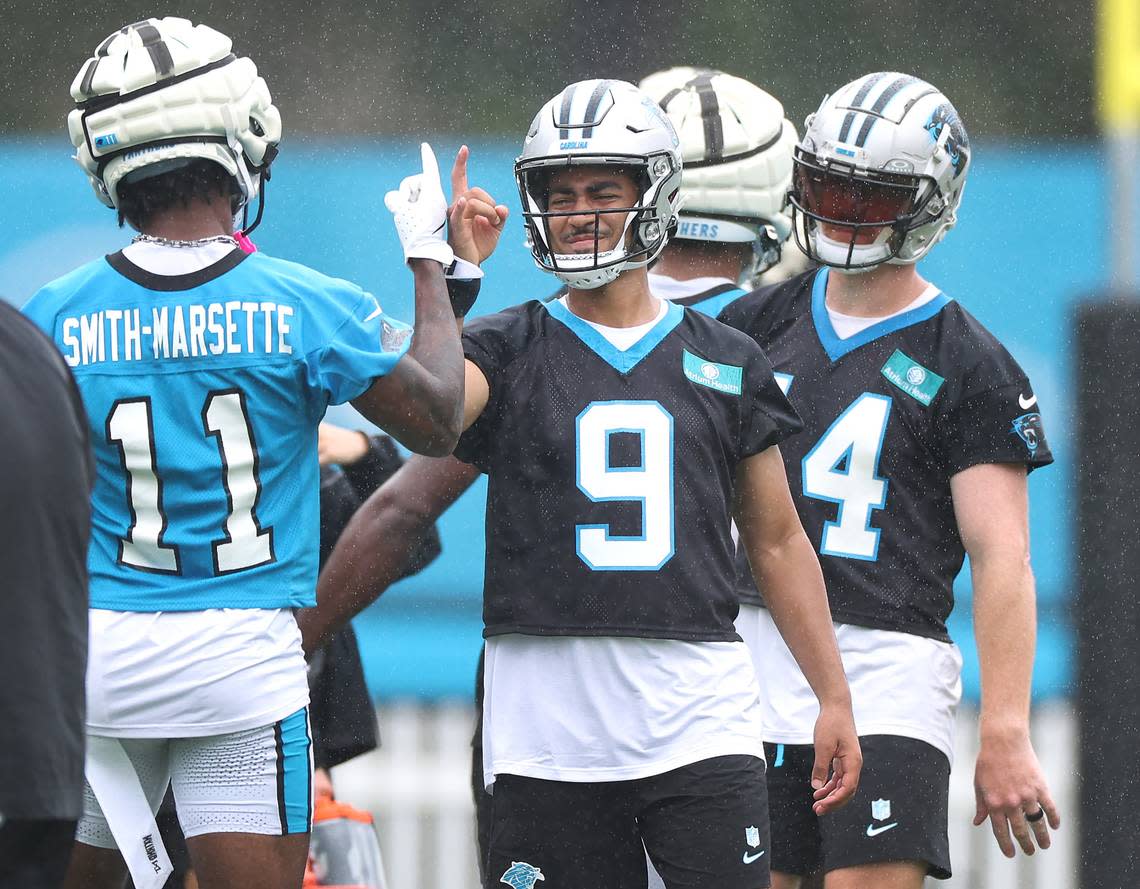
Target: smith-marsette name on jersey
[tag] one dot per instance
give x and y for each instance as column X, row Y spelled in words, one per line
column 174, row 332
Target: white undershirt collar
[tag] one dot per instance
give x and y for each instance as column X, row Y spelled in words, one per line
column 622, row 338
column 847, row 326
column 160, row 259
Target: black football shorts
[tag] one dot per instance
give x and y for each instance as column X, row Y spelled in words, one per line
column 704, row 825
column 899, row 812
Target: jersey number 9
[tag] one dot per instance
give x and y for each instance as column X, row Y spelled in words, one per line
column 649, row 483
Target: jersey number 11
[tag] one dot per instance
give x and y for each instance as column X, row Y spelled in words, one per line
column 243, row 544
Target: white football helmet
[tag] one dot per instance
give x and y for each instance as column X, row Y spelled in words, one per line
column 882, row 165
column 737, row 149
column 162, row 92
column 601, row 123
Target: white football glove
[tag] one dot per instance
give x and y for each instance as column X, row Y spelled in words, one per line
column 419, row 210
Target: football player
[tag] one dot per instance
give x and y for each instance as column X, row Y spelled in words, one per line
column 620, row 432
column 205, row 369
column 920, row 430
column 730, row 230
column 736, row 147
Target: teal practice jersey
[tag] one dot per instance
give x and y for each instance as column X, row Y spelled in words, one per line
column 204, row 392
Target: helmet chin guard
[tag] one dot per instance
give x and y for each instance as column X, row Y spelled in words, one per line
column 163, row 92
column 601, row 123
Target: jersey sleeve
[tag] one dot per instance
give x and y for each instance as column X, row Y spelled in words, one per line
column 1001, row 424
column 768, row 417
column 350, row 342
column 491, row 343
column 41, row 311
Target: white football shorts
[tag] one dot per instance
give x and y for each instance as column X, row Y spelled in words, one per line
column 253, row 781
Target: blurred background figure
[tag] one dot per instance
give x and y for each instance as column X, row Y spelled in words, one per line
column 45, row 485
column 737, row 148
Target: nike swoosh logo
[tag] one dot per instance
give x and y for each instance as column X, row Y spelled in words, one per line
column 1026, row 403
column 748, row 859
column 873, row 831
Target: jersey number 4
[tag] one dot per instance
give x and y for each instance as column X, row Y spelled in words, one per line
column 649, row 483
column 843, row 468
column 243, row 543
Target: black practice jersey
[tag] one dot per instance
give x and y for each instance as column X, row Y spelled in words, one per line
column 611, row 472
column 889, row 414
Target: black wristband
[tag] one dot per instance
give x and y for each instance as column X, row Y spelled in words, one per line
column 462, row 293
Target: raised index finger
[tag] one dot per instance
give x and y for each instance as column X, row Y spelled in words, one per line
column 459, row 172
column 427, row 157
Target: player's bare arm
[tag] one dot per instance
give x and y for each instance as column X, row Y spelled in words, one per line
column 385, row 532
column 786, row 568
column 991, row 506
column 420, row 403
column 380, row 540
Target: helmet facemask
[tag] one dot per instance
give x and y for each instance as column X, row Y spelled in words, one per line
column 856, row 220
column 879, row 174
column 645, row 226
column 601, row 124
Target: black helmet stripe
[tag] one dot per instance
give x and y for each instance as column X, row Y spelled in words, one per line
column 564, row 111
column 592, row 107
column 710, row 114
column 100, row 54
column 880, row 105
column 857, row 102
column 106, row 44
column 159, row 51
column 751, row 152
column 98, row 103
column 89, row 76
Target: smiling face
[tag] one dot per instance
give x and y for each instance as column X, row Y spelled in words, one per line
column 596, row 200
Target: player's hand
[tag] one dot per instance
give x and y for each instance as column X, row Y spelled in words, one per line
column 419, row 210
column 340, row 446
column 1010, row 789
column 475, row 221
column 838, row 759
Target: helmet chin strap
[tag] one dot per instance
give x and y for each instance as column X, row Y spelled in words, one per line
column 245, row 178
column 245, row 230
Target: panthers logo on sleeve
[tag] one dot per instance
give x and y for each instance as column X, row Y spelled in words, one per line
column 1028, row 428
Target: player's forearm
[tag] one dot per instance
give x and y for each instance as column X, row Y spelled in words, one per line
column 433, row 425
column 374, row 552
column 1005, row 628
column 788, row 572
